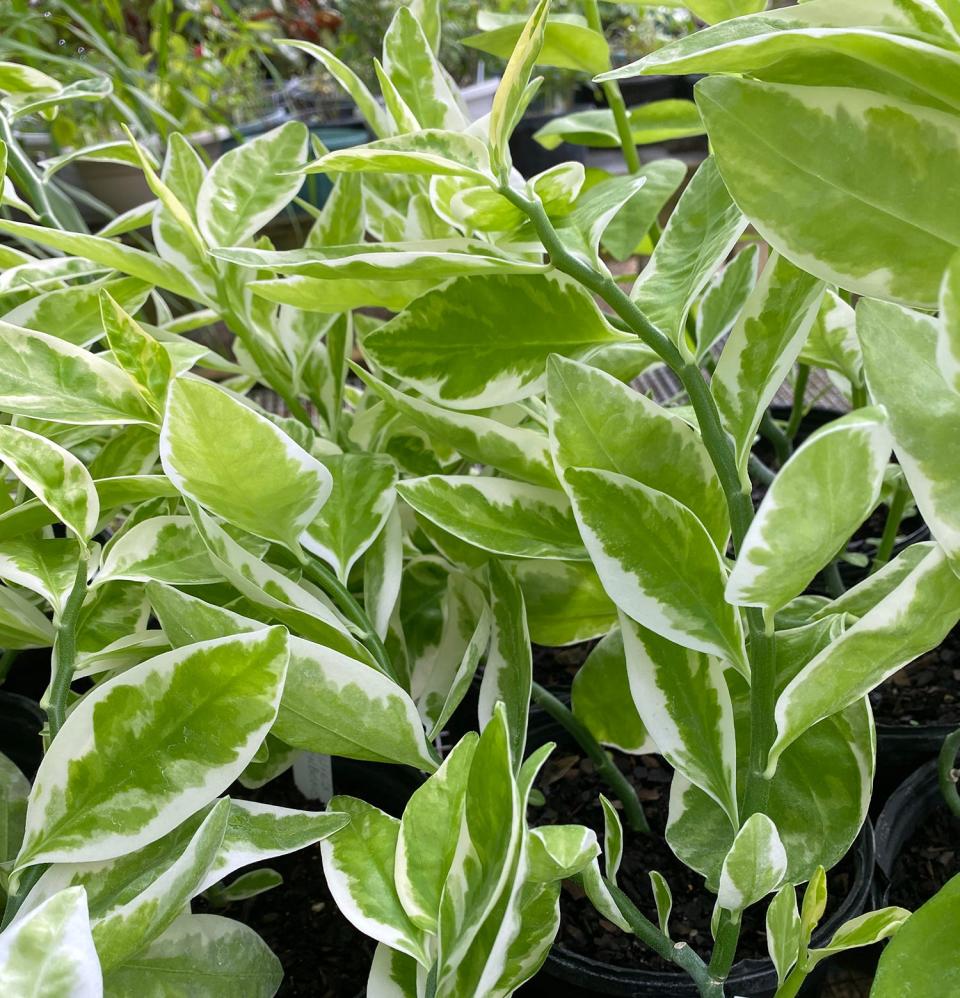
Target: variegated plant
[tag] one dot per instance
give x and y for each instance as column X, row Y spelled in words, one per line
column 620, row 515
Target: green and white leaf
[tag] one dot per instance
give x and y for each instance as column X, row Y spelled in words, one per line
column 14, row 790
column 565, row 601
column 754, row 866
column 162, row 549
column 783, row 931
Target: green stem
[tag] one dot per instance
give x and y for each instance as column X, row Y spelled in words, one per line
column 725, row 947
column 65, row 650
column 355, row 613
column 759, row 472
column 948, row 774
column 606, row 768
column 799, row 397
column 892, row 526
column 430, row 989
column 614, row 97
column 719, row 446
column 858, row 396
column 679, row 954
column 794, row 982
column 771, row 431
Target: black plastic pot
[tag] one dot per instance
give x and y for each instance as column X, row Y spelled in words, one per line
column 21, row 721
column 582, row 977
column 909, row 806
column 901, row 750
column 529, row 157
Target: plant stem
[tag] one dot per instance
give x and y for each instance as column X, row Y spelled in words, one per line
column 759, row 472
column 355, row 613
column 762, row 650
column 65, row 650
column 725, row 947
column 679, row 954
column 892, row 526
column 606, row 768
column 799, row 397
column 770, row 429
column 947, row 774
column 791, row 986
column 26, row 884
column 858, row 396
column 614, row 97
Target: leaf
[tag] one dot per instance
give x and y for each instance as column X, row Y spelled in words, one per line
column 393, row 975
column 703, row 229
column 508, row 102
column 138, row 353
column 358, row 862
column 339, row 294
column 465, row 357
column 22, row 625
column 382, row 570
column 14, row 790
column 783, row 931
column 755, row 864
column 761, row 349
column 366, row 103
column 247, row 186
column 332, row 704
column 418, row 76
column 73, row 313
column 838, row 472
column 106, row 253
column 429, row 830
column 214, row 957
column 361, row 498
column 712, row 11
column 101, row 152
column 901, row 366
column 922, row 959
column 914, row 618
column 163, row 549
column 656, row 562
column 516, row 451
column 601, row 699
column 663, row 899
column 269, row 486
column 832, row 343
column 948, row 338
column 565, row 601
column 663, row 178
column 724, row 299
column 653, row 122
column 256, row 832
column 122, row 773
column 567, row 43
column 508, row 673
column 428, row 152
column 584, row 404
column 49, row 378
column 496, row 514
column 51, row 952
column 57, row 478
column 684, row 704
column 559, row 852
column 769, row 141
column 865, row 930
column 46, row 566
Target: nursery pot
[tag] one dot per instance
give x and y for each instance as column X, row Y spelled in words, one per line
column 21, row 721
column 901, row 749
column 910, row 806
column 584, row 977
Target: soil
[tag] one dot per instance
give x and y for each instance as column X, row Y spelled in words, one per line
column 323, row 955
column 571, row 788
column 929, row 859
column 926, row 692
column 555, row 668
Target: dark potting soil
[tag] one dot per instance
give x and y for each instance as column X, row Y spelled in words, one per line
column 930, row 857
column 323, row 955
column 925, row 692
column 555, row 668
column 571, row 788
